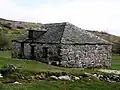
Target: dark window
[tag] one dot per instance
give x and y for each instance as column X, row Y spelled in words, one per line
column 30, row 34
column 45, row 52
column 59, row 51
column 32, row 53
column 22, row 50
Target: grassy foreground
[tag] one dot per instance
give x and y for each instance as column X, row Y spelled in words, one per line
column 34, row 66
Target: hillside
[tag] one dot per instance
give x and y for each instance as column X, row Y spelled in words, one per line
column 15, row 28
column 111, row 38
column 10, row 24
column 106, row 36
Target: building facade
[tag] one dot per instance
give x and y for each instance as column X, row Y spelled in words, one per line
column 63, row 44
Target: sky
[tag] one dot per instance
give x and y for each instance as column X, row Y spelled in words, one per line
column 101, row 15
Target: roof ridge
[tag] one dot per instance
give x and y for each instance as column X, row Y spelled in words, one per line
column 65, row 23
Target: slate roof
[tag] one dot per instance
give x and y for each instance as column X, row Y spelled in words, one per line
column 65, row 33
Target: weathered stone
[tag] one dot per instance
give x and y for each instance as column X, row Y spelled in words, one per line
column 64, row 78
column 76, row 78
column 16, row 82
column 8, row 69
column 54, row 77
column 1, row 75
column 95, row 75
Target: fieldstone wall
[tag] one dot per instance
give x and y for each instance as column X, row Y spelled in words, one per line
column 68, row 55
column 15, row 52
column 86, row 55
column 38, row 51
column 52, row 55
column 27, row 50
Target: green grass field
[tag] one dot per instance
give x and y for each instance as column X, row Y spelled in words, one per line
column 115, row 61
column 56, row 85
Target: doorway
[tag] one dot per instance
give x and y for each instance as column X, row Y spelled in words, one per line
column 32, row 53
column 22, row 50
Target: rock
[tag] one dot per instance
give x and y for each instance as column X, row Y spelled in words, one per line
column 108, row 80
column 16, row 82
column 38, row 77
column 95, row 76
column 54, row 77
column 1, row 75
column 80, row 77
column 88, row 74
column 100, row 77
column 76, row 78
column 8, row 69
column 115, row 78
column 64, row 78
column 32, row 77
column 110, row 71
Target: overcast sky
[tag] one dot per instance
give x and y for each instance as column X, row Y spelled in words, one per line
column 101, row 15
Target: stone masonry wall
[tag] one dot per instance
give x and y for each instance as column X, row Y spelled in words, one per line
column 27, row 51
column 16, row 50
column 52, row 52
column 38, row 51
column 86, row 55
column 69, row 55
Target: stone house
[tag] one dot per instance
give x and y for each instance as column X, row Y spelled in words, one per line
column 63, row 44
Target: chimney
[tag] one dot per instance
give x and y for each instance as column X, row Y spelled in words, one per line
column 34, row 33
column 30, row 34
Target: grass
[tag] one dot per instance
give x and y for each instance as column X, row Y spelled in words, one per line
column 116, row 61
column 5, row 54
column 64, row 85
column 35, row 66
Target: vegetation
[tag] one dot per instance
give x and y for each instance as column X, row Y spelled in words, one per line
column 11, row 29
column 4, row 42
column 116, row 47
column 116, row 61
column 115, row 40
column 34, row 66
column 64, row 85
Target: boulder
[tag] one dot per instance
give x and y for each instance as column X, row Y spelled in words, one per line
column 8, row 69
column 76, row 78
column 64, row 78
column 1, row 75
column 16, row 82
column 54, row 77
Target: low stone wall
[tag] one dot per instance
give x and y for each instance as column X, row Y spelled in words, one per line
column 86, row 55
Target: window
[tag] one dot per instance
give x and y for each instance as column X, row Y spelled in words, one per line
column 30, row 34
column 59, row 50
column 22, row 50
column 32, row 53
column 45, row 52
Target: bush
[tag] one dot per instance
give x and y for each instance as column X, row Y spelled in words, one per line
column 8, row 69
column 4, row 42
